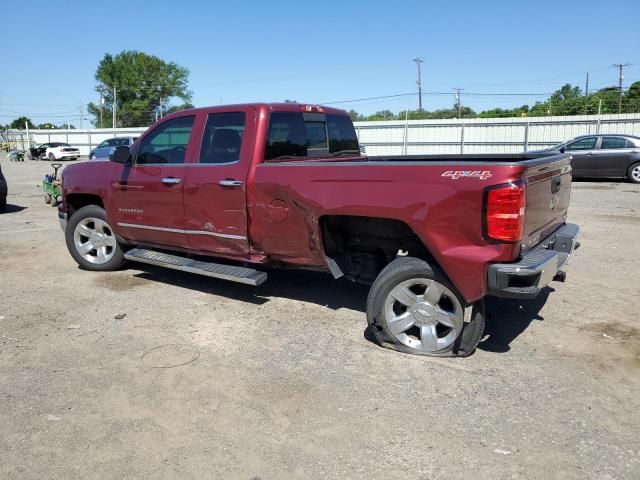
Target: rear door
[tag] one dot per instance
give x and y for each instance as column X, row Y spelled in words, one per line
column 148, row 194
column 584, row 156
column 215, row 196
column 613, row 158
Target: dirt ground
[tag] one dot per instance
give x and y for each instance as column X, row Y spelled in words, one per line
column 148, row 373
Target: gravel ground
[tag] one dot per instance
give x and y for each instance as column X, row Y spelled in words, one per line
column 147, row 373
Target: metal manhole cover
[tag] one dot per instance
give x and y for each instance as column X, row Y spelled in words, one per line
column 170, row 355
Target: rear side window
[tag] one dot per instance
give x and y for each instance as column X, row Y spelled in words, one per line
column 614, row 142
column 297, row 134
column 222, row 137
column 167, row 144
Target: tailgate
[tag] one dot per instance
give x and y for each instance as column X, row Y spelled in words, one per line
column 548, row 193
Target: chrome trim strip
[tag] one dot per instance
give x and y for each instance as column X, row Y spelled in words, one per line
column 149, row 227
column 187, row 232
column 214, row 234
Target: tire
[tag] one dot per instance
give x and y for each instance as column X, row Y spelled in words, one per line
column 3, row 204
column 52, row 157
column 91, row 241
column 430, row 318
column 633, row 174
column 47, row 198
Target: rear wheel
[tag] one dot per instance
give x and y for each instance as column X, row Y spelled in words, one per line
column 633, row 174
column 412, row 308
column 91, row 240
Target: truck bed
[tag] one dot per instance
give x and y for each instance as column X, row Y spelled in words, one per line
column 488, row 158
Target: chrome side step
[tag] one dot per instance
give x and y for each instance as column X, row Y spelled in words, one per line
column 244, row 275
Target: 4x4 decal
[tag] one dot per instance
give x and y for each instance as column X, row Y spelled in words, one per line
column 456, row 174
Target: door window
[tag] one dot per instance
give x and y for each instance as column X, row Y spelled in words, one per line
column 588, row 143
column 222, row 137
column 613, row 142
column 103, row 144
column 167, row 144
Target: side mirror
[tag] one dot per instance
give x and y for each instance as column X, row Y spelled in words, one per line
column 120, row 155
column 562, row 149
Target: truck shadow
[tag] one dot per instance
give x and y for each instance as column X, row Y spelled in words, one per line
column 300, row 285
column 11, row 208
column 508, row 318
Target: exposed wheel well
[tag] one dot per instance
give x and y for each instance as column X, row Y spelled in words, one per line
column 76, row 201
column 363, row 246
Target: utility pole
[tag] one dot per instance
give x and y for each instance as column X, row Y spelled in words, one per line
column 620, row 66
column 586, row 95
column 114, row 106
column 161, row 99
column 418, row 61
column 81, row 114
column 101, row 106
column 459, row 101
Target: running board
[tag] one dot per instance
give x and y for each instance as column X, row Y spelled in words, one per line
column 244, row 275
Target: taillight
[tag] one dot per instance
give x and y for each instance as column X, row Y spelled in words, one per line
column 505, row 207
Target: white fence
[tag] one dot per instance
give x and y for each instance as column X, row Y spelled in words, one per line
column 491, row 135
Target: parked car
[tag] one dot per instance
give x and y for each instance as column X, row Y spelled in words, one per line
column 286, row 185
column 108, row 146
column 54, row 151
column 603, row 156
column 3, row 191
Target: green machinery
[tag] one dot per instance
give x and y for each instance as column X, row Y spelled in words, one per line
column 52, row 186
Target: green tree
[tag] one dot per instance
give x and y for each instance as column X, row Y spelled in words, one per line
column 46, row 125
column 142, row 83
column 177, row 108
column 19, row 123
column 382, row 115
column 631, row 99
column 355, row 116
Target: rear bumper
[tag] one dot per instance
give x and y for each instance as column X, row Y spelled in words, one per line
column 537, row 268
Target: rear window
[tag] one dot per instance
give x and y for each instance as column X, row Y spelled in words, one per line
column 297, row 134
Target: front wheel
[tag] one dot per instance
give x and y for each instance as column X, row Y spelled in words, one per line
column 52, row 157
column 633, row 174
column 413, row 308
column 91, row 240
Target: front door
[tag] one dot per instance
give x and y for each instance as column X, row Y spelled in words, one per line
column 148, row 194
column 215, row 192
column 583, row 156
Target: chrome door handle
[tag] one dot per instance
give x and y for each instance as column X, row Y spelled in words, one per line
column 230, row 183
column 171, row 180
column 589, row 154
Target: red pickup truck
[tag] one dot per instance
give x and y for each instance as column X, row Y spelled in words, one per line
column 218, row 191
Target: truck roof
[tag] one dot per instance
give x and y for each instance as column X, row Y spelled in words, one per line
column 274, row 107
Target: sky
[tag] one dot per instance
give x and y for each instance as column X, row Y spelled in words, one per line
column 318, row 52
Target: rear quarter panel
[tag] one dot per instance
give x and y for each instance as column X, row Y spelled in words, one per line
column 446, row 213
